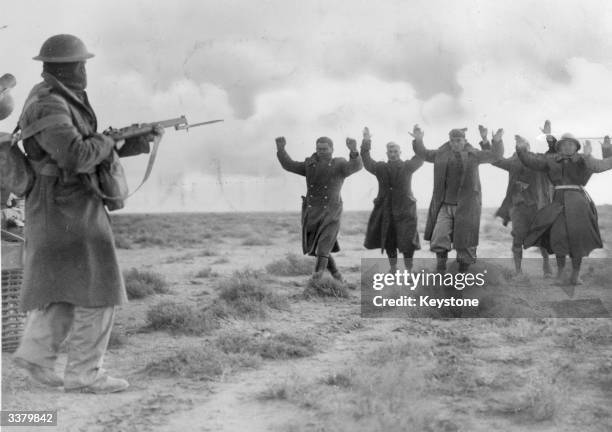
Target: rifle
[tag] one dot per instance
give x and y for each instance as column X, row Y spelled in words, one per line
column 140, row 129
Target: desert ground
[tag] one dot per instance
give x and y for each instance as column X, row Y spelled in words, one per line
column 224, row 332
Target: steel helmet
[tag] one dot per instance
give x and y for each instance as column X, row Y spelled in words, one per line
column 7, row 82
column 63, row 48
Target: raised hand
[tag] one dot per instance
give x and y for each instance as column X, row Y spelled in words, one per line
column 588, row 148
column 547, row 128
column 606, row 142
column 280, row 143
column 366, row 134
column 521, row 143
column 351, row 143
column 483, row 132
column 417, row 133
column 497, row 136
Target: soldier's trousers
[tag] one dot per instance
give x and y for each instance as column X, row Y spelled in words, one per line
column 441, row 237
column 88, row 330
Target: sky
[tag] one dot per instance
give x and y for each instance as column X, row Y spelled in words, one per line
column 304, row 69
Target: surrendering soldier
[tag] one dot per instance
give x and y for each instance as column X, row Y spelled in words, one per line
column 568, row 225
column 393, row 221
column 322, row 205
column 527, row 192
column 454, row 213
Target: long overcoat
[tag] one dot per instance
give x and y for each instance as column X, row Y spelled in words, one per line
column 70, row 253
column 568, row 225
column 469, row 205
column 394, row 204
column 322, row 205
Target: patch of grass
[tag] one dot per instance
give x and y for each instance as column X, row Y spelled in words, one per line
column 256, row 240
column 291, row 265
column 180, row 318
column 221, row 260
column 246, row 294
column 117, row 339
column 122, row 242
column 338, row 379
column 143, row 283
column 206, row 253
column 277, row 346
column 206, row 272
column 325, row 286
column 203, row 362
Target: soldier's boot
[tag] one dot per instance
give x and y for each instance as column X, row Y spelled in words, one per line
column 575, row 277
column 102, row 385
column 560, row 268
column 331, row 266
column 546, row 264
column 408, row 263
column 392, row 265
column 441, row 259
column 41, row 375
column 517, row 255
column 320, row 267
column 463, row 267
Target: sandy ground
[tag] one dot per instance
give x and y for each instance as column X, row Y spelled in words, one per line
column 398, row 373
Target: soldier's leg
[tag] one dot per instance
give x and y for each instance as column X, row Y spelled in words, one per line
column 465, row 257
column 91, row 331
column 320, row 266
column 546, row 263
column 520, row 217
column 575, row 277
column 333, row 269
column 560, row 267
column 392, row 255
column 408, row 261
column 45, row 329
column 441, row 237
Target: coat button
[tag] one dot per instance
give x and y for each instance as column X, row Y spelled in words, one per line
column 324, row 187
column 324, row 206
column 390, row 188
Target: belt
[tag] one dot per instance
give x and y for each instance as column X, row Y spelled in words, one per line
column 570, row 187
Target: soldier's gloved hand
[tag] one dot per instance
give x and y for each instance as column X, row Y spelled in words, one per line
column 280, row 143
column 547, row 128
column 351, row 143
column 417, row 133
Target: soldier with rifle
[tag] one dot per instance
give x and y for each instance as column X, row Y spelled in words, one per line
column 72, row 280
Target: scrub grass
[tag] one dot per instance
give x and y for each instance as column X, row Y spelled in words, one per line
column 144, row 283
column 291, row 265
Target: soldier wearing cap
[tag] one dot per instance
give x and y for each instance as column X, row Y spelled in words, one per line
column 392, row 225
column 322, row 206
column 453, row 220
column 568, row 225
column 72, row 281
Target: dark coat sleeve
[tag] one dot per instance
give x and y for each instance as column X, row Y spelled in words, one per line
column 289, row 164
column 368, row 163
column 531, row 160
column 597, row 165
column 419, row 149
column 507, row 164
column 414, row 163
column 66, row 146
column 493, row 155
column 351, row 166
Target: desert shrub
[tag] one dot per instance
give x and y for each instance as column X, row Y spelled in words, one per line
column 122, row 242
column 180, row 318
column 143, row 283
column 325, row 286
column 278, row 346
column 221, row 260
column 206, row 253
column 206, row 272
column 246, row 294
column 291, row 265
column 204, row 362
column 117, row 339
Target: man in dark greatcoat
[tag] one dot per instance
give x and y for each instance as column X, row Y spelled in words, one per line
column 527, row 192
column 453, row 219
column 393, row 221
column 72, row 280
column 568, row 225
column 322, row 205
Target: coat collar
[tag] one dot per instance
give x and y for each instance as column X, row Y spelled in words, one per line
column 68, row 94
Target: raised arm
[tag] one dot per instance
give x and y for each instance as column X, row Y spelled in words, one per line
column 285, row 160
column 508, row 164
column 531, row 160
column 485, row 144
column 597, row 165
column 366, row 145
column 414, row 163
column 354, row 163
column 496, row 152
column 419, row 147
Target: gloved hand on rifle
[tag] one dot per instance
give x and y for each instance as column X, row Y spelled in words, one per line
column 140, row 144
